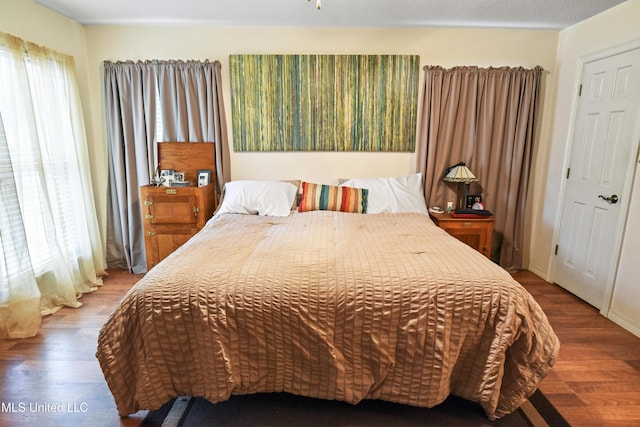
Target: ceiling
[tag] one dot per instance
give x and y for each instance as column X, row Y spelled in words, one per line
column 530, row 14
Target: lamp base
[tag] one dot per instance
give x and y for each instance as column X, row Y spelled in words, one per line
column 462, row 195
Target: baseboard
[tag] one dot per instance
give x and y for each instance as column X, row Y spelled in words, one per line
column 624, row 322
column 538, row 271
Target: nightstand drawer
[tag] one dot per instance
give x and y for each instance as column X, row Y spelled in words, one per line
column 475, row 232
column 161, row 241
column 171, row 209
column 171, row 215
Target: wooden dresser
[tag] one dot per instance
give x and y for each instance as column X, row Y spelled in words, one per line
column 171, row 215
column 475, row 232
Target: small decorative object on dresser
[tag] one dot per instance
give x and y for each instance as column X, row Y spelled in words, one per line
column 204, row 177
column 474, row 201
column 167, row 177
column 179, row 181
column 178, row 176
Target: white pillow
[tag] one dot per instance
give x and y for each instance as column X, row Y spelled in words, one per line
column 267, row 198
column 393, row 195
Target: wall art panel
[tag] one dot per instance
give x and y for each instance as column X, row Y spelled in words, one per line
column 324, row 102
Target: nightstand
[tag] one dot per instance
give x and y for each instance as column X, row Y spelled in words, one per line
column 475, row 232
column 171, row 215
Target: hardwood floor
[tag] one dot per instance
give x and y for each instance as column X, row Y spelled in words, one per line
column 59, row 367
column 596, row 380
column 54, row 378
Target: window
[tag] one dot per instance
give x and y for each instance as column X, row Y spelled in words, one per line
column 50, row 245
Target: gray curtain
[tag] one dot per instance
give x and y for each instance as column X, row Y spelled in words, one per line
column 191, row 109
column 486, row 118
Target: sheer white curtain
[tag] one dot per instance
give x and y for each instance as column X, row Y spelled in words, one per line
column 50, row 247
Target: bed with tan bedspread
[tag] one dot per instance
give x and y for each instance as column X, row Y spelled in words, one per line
column 327, row 305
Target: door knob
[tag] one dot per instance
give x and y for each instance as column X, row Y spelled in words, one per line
column 611, row 199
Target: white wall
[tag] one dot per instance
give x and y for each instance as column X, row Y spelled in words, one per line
column 436, row 46
column 611, row 28
column 446, row 47
column 625, row 301
column 31, row 22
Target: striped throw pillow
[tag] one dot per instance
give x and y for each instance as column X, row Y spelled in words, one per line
column 319, row 197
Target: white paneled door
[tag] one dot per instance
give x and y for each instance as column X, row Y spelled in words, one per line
column 601, row 166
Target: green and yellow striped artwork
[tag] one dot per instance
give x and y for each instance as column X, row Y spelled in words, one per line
column 324, row 102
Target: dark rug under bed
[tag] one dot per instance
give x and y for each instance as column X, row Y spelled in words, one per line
column 284, row 410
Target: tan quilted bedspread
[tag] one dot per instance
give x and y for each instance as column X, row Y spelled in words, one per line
column 327, row 305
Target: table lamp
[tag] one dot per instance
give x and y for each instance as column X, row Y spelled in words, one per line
column 461, row 174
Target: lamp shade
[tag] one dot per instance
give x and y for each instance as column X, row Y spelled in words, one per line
column 460, row 173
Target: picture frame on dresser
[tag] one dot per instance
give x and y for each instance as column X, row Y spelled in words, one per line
column 178, row 176
column 204, row 177
column 167, row 177
column 473, row 199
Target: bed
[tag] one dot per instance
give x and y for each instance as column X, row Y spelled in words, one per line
column 331, row 305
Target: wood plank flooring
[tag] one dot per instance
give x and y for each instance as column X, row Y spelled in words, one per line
column 59, row 367
column 596, row 380
column 54, row 378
